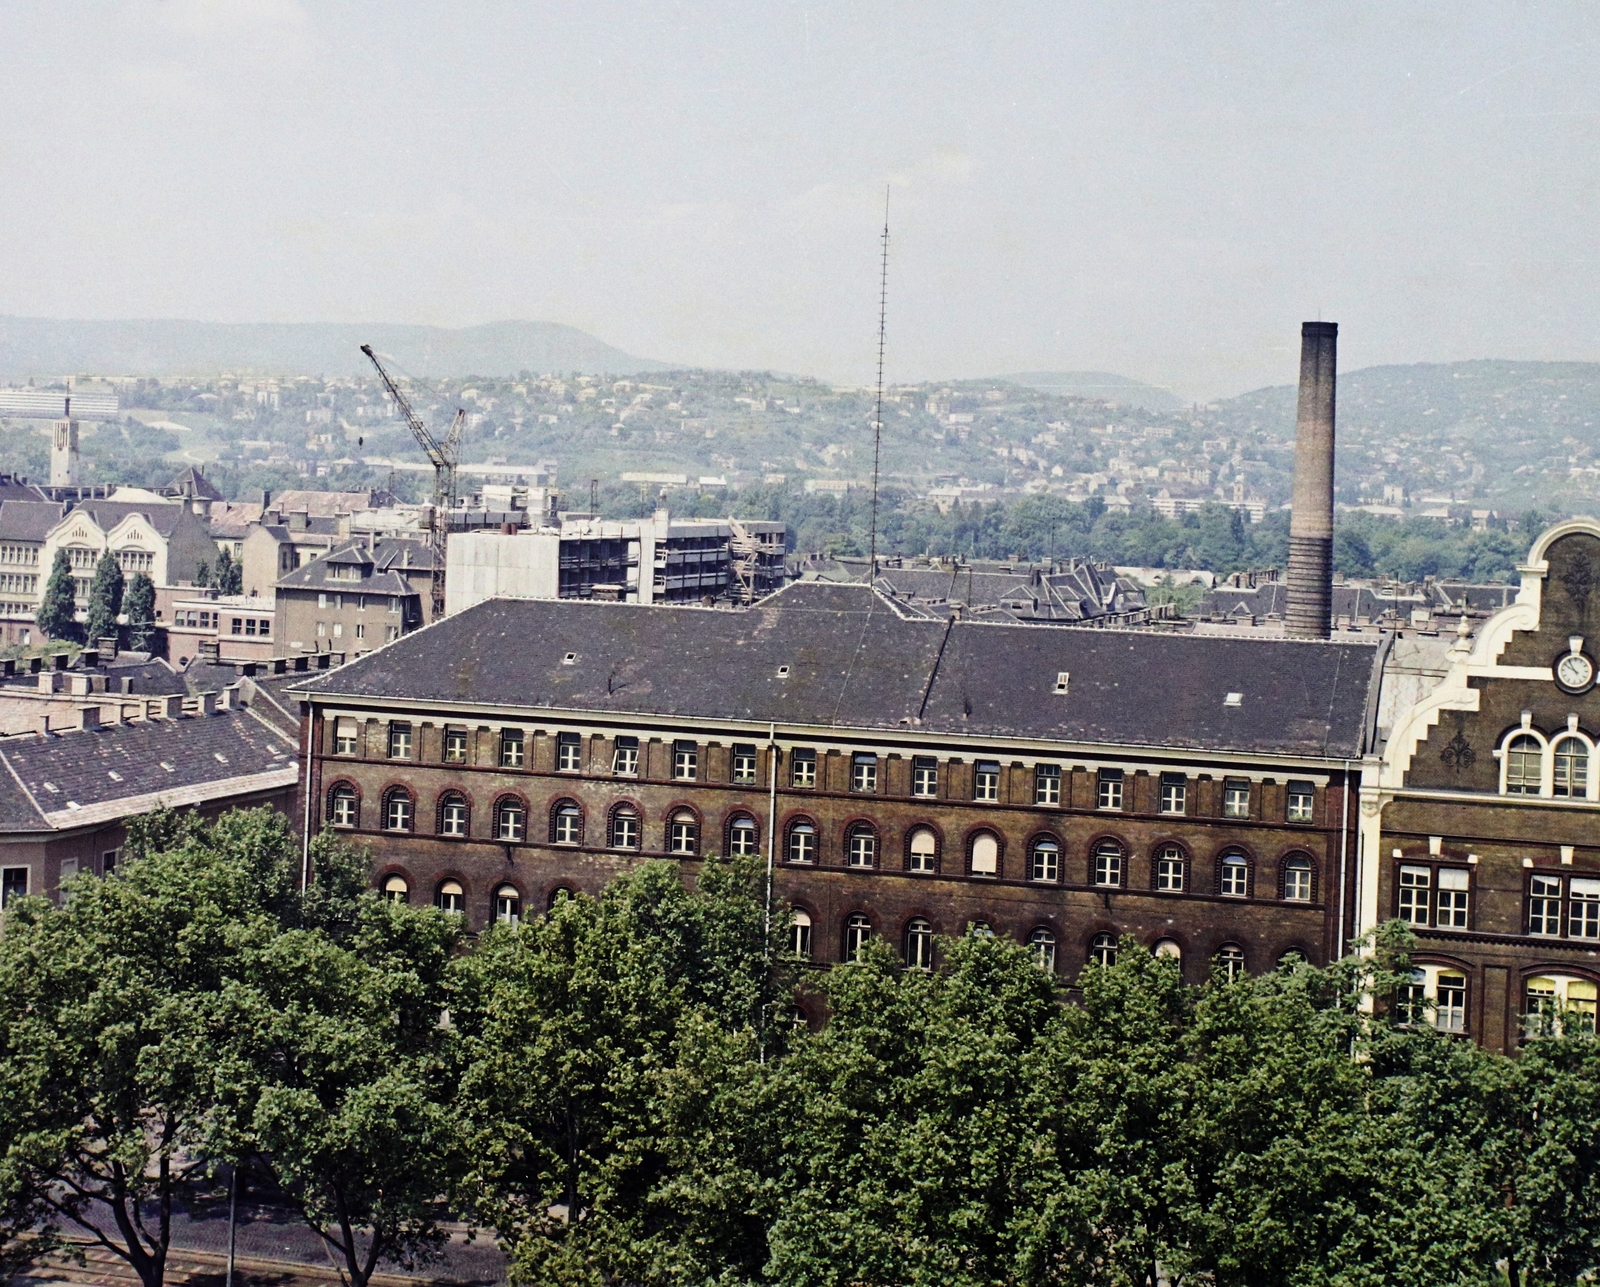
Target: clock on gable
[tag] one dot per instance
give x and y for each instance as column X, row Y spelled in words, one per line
column 1574, row 669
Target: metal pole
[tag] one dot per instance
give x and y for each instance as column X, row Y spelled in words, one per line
column 1344, row 853
column 772, row 819
column 233, row 1198
column 305, row 847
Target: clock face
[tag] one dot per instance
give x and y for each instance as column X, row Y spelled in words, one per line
column 1575, row 672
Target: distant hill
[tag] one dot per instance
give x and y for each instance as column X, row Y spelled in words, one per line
column 1098, row 384
column 1500, row 432
column 43, row 347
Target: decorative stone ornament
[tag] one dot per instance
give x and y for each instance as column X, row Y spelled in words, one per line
column 1574, row 669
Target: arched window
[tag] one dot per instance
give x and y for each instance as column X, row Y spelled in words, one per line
column 624, row 827
column 1524, row 765
column 800, row 932
column 566, row 824
column 985, row 854
column 743, row 838
column 922, row 850
column 559, row 894
column 1230, row 961
column 1043, row 944
column 1233, row 879
column 453, row 815
column 802, row 846
column 683, row 834
column 1297, row 879
column 980, row 929
column 450, row 897
column 857, row 930
column 1168, row 948
column 861, row 847
column 510, row 821
column 1571, row 768
column 1170, row 869
column 398, row 811
column 1103, row 949
column 919, row 944
column 1107, row 867
column 342, row 805
column 395, row 890
column 1044, row 861
column 508, row 905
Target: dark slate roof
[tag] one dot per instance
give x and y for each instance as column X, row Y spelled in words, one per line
column 165, row 519
column 855, row 662
column 28, row 520
column 315, row 575
column 191, row 482
column 60, row 780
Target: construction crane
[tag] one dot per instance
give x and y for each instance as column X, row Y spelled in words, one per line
column 444, row 456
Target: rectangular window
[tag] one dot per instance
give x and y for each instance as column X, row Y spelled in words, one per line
column 744, row 764
column 986, row 781
column 512, row 751
column 1583, row 912
column 1108, row 865
column 1413, row 999
column 685, row 761
column 1450, row 1009
column 1450, row 907
column 925, row 777
column 569, row 752
column 399, row 741
column 1174, row 793
column 1169, row 870
column 1301, row 796
column 864, row 773
column 338, row 629
column 322, row 599
column 1544, row 905
column 1235, row 799
column 394, row 603
column 391, row 634
column 322, row 630
column 344, row 737
column 1047, row 784
column 1416, row 886
column 13, row 884
column 625, row 757
column 1110, row 794
column 238, row 626
column 803, row 769
column 361, row 630
column 455, row 746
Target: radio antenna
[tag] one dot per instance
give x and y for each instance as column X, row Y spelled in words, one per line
column 877, row 422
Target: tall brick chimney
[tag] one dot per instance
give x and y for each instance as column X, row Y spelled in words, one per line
column 1310, row 607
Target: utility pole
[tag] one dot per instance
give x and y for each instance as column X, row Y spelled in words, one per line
column 877, row 423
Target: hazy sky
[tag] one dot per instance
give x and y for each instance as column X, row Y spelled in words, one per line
column 1164, row 190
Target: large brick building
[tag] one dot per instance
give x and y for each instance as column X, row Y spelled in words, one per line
column 905, row 776
column 1479, row 803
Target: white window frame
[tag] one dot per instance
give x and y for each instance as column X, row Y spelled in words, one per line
column 1048, row 870
column 1309, row 795
column 744, row 763
column 449, row 825
column 800, row 932
column 685, row 762
column 1503, row 754
column 1174, row 789
column 569, row 752
column 744, row 837
column 1108, row 790
column 1232, row 862
column 803, row 769
column 986, row 782
column 923, row 862
column 1588, row 789
column 1302, row 869
column 625, row 759
column 1109, row 864
column 925, row 777
column 1047, row 785
column 1172, row 869
column 1542, row 896
column 568, row 829
column 801, row 839
column 864, row 774
column 862, row 852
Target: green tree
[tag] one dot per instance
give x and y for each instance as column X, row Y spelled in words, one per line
column 588, row 1031
column 58, row 608
column 140, row 603
column 112, row 1028
column 229, row 576
column 202, row 574
column 341, row 1052
column 105, row 598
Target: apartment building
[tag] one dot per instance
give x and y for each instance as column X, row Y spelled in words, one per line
column 356, row 598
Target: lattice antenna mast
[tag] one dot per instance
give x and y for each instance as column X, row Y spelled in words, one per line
column 877, row 422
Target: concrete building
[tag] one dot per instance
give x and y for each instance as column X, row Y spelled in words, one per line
column 221, row 627
column 282, row 541
column 355, row 599
column 656, row 560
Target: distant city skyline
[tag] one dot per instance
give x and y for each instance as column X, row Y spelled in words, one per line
column 1164, row 192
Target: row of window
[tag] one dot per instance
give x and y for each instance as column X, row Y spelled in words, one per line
column 917, row 938
column 1558, row 906
column 1108, row 860
column 1436, row 996
column 390, row 634
column 1531, row 764
column 1237, row 794
column 356, row 601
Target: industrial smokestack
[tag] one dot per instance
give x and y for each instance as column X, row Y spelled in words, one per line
column 1310, row 608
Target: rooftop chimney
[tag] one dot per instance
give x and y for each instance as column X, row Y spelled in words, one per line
column 1310, row 607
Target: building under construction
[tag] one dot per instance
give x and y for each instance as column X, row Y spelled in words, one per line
column 654, row 560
